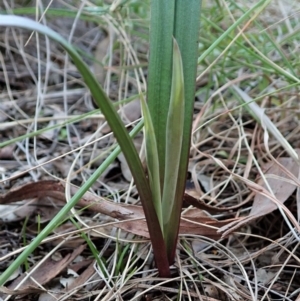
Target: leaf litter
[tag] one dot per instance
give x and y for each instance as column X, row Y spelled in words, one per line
column 257, row 258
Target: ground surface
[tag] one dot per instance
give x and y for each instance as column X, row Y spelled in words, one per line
column 231, row 157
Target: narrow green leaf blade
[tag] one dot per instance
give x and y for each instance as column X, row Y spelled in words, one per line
column 160, row 71
column 186, row 32
column 121, row 135
column 152, row 160
column 174, row 135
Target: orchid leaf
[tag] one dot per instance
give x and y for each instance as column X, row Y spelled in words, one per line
column 152, row 160
column 122, row 136
column 174, row 134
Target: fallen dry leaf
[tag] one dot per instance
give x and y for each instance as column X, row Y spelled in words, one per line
column 123, row 163
column 131, row 111
column 282, row 186
column 131, row 217
column 29, row 290
column 75, row 285
column 45, row 272
column 125, row 168
column 82, row 279
column 191, row 197
column 18, row 212
column 100, row 54
column 7, row 151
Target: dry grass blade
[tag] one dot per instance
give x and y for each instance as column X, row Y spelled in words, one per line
column 42, row 273
column 230, row 154
column 277, row 178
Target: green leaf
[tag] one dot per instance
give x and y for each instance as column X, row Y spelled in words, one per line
column 186, row 32
column 174, row 134
column 181, row 19
column 152, row 160
column 160, row 72
column 122, row 137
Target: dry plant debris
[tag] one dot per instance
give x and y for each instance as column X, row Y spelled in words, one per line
column 259, row 257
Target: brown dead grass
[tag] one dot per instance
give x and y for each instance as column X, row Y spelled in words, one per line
column 39, row 88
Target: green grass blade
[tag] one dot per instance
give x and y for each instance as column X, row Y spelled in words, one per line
column 44, row 130
column 64, row 211
column 119, row 130
column 160, row 71
column 100, row 97
column 260, row 4
column 93, row 249
column 59, row 125
column 174, row 134
column 259, row 114
column 58, row 12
